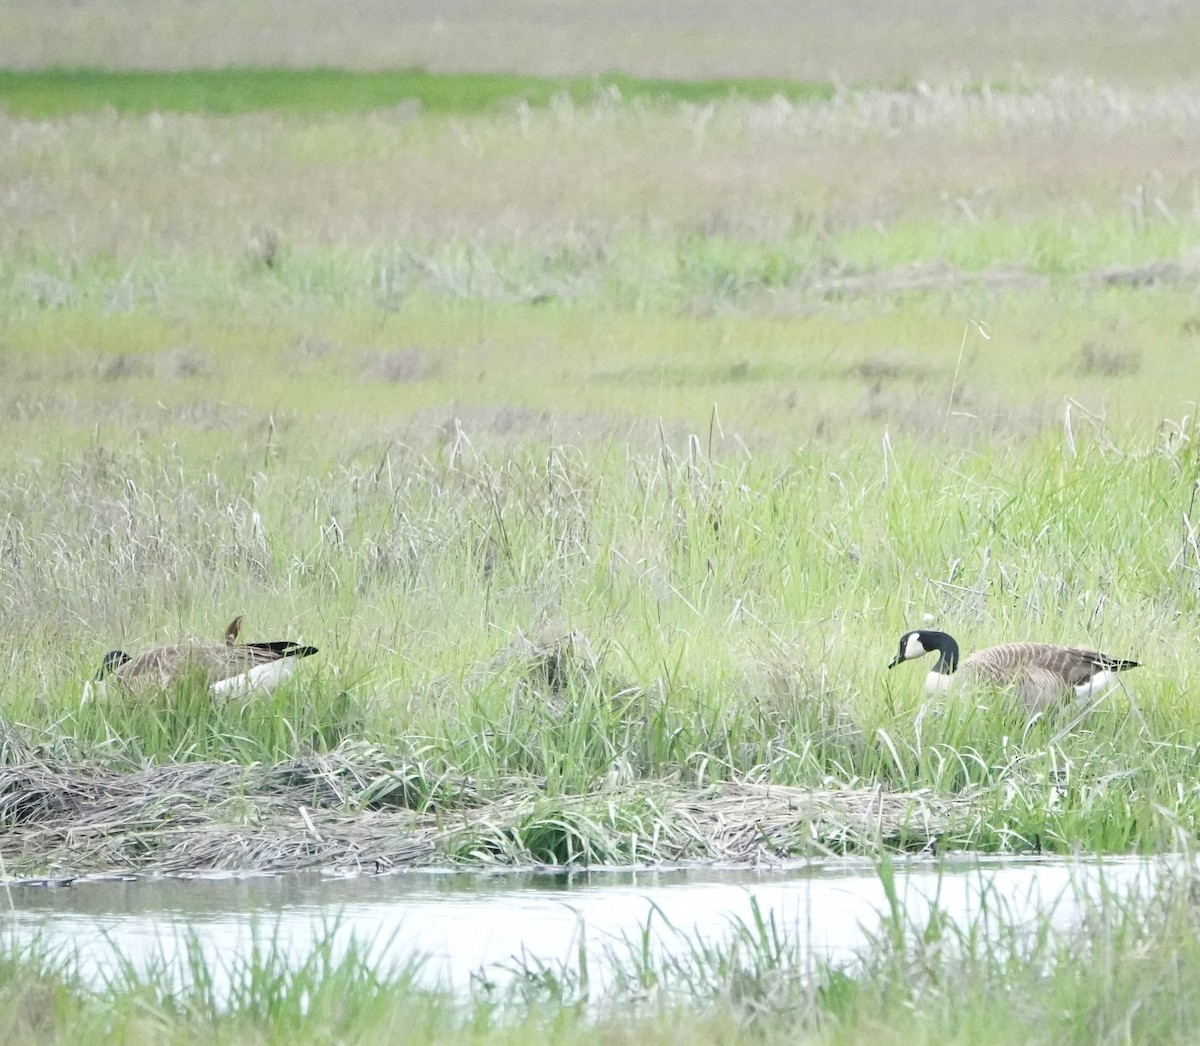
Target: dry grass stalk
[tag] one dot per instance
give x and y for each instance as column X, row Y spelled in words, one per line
column 330, row 810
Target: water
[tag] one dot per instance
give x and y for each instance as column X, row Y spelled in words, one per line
column 468, row 923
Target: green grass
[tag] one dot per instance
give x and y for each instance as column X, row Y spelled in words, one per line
column 631, row 273
column 46, row 93
column 604, row 450
column 731, row 619
column 577, row 470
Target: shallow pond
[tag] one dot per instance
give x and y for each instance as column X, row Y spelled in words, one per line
column 465, row 923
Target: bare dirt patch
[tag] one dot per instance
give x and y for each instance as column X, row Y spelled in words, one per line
column 929, row 276
column 404, row 366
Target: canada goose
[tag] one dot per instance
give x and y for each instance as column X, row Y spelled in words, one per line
column 1041, row 673
column 229, row 667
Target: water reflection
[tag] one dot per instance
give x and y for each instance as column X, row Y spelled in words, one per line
column 467, row 922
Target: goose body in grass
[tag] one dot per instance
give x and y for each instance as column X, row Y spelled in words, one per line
column 229, row 668
column 1041, row 674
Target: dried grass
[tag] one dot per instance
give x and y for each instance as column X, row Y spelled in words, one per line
column 1099, row 357
column 745, row 821
column 350, row 809
column 1169, row 273
column 192, row 817
column 854, row 41
column 571, row 181
column 405, row 366
column 929, row 276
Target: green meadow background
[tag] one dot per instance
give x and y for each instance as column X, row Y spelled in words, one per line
column 604, row 389
column 667, row 401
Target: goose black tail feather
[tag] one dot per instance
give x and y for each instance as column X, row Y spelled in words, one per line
column 284, row 648
column 1115, row 664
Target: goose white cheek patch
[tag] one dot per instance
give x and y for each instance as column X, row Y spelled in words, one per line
column 913, row 647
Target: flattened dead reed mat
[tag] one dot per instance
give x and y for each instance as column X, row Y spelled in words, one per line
column 357, row 808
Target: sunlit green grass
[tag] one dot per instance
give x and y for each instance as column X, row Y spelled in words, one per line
column 967, row 364
column 602, row 448
column 60, row 92
column 796, row 272
column 549, row 613
column 577, row 472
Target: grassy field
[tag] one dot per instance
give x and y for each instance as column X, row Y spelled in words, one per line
column 639, row 411
column 605, row 445
column 604, row 442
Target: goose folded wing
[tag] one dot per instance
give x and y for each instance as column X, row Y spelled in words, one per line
column 265, row 652
column 1083, row 664
column 160, row 665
